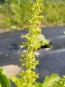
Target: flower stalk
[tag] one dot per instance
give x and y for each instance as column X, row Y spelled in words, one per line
column 29, row 76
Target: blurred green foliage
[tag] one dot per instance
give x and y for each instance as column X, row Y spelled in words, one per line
column 14, row 13
column 54, row 12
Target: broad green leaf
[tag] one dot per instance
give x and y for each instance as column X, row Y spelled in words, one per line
column 49, row 80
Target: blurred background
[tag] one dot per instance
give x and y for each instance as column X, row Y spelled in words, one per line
column 14, row 13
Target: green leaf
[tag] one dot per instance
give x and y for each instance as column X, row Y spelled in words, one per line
column 64, row 32
column 49, row 80
column 0, row 85
column 43, row 40
column 38, row 84
column 4, row 81
column 16, row 81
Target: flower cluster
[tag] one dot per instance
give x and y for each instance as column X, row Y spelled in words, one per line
column 28, row 60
